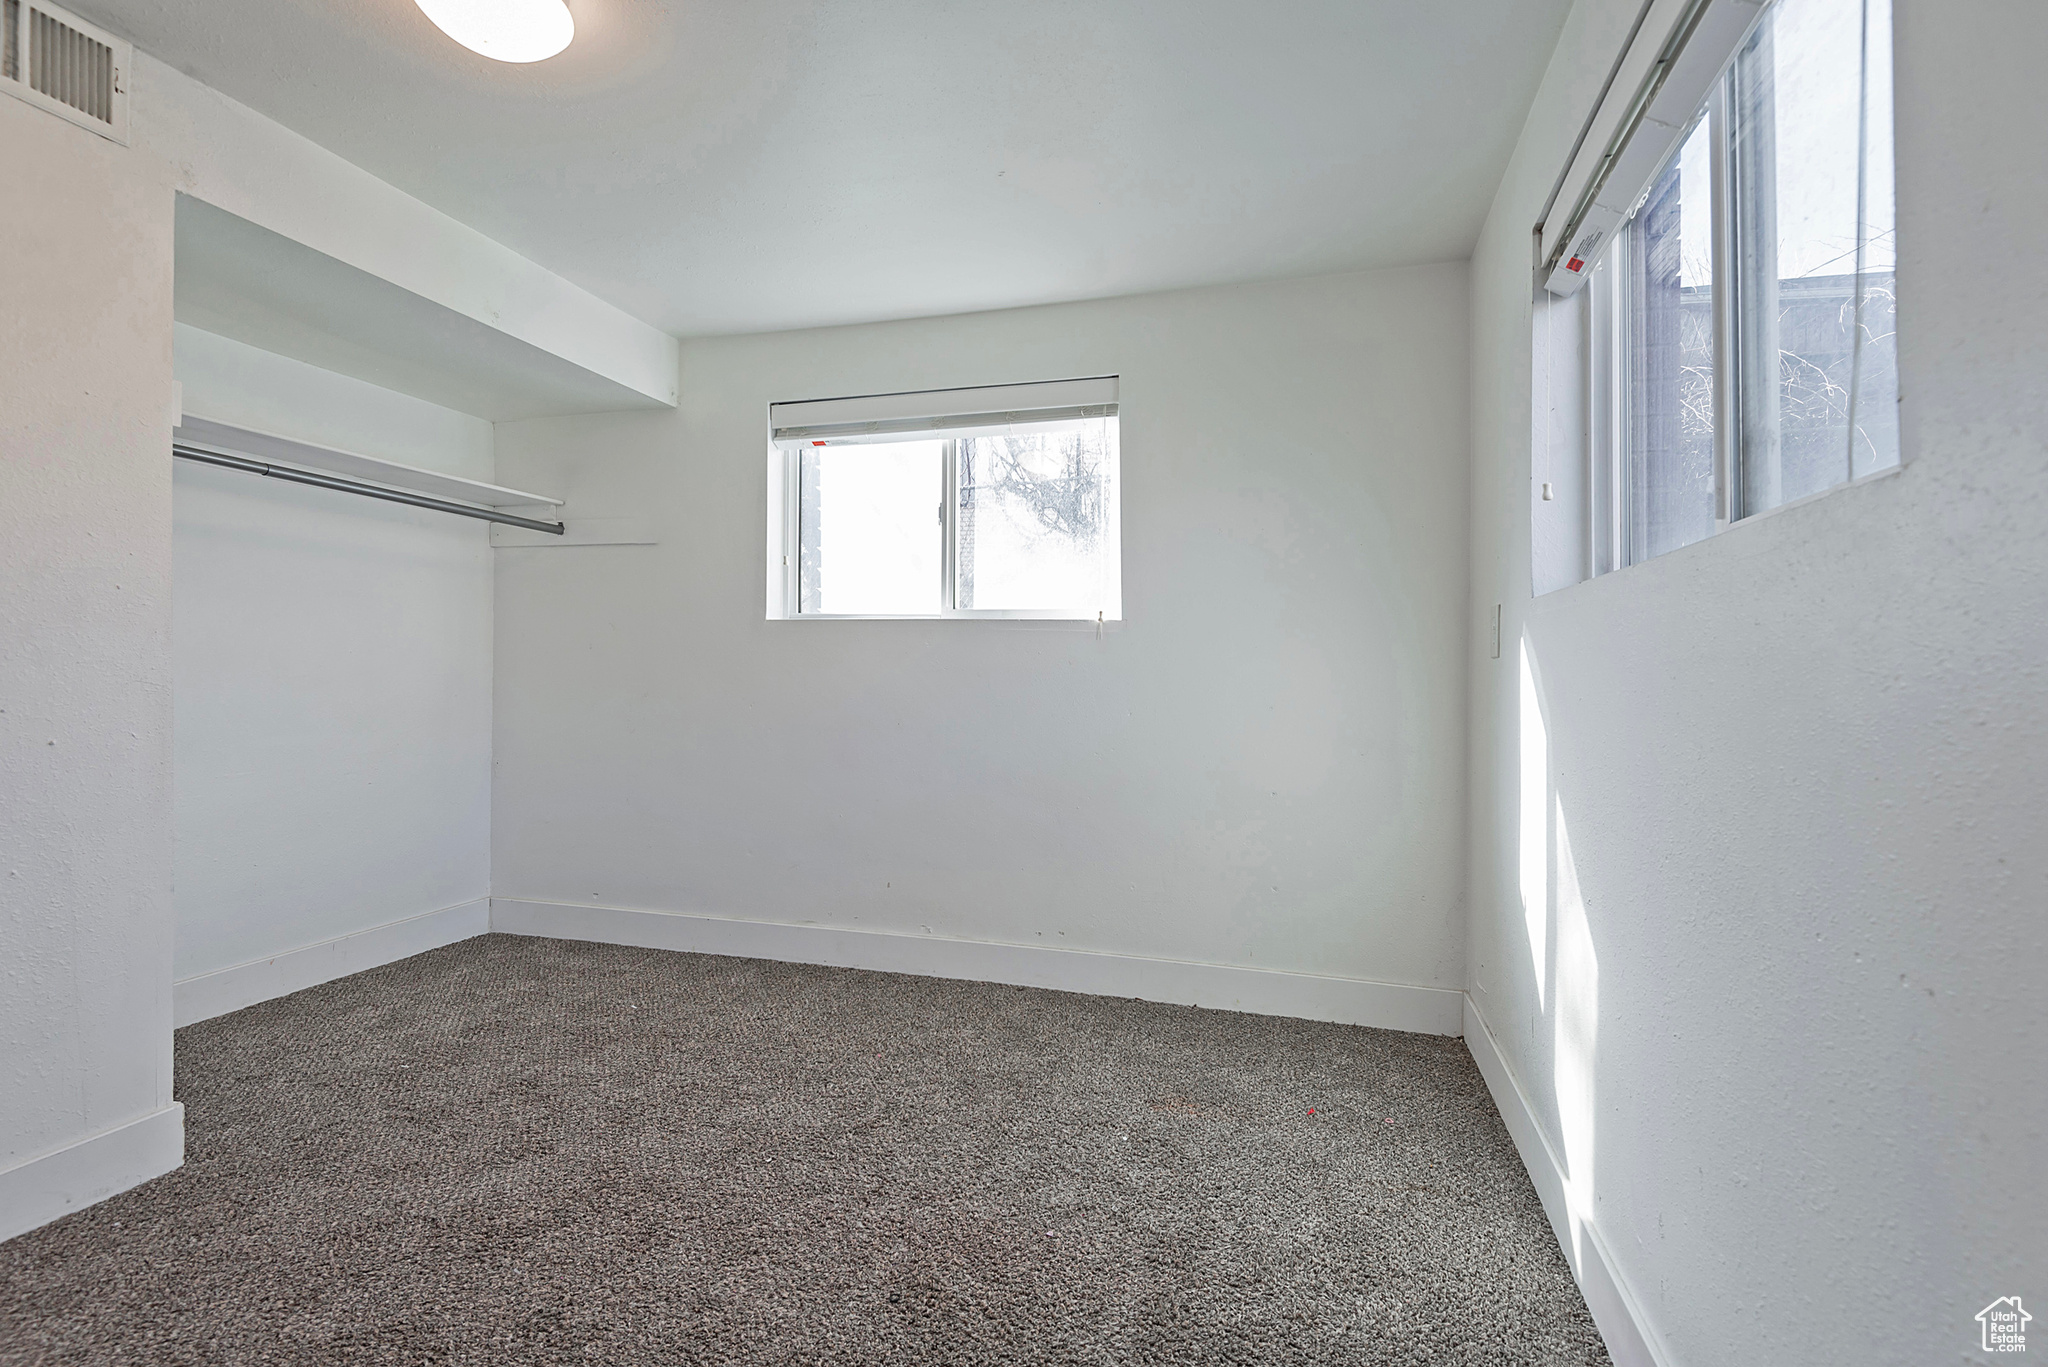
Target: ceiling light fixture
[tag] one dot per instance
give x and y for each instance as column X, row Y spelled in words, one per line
column 505, row 30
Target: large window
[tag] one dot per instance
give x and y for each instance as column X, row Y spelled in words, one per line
column 1739, row 341
column 951, row 507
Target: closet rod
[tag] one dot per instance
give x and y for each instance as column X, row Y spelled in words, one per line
column 351, row 486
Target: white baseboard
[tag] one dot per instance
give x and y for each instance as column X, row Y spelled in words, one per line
column 1617, row 1312
column 206, row 995
column 1266, row 992
column 55, row 1183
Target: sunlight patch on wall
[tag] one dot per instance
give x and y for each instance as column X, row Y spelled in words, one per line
column 1535, row 861
column 1577, row 1027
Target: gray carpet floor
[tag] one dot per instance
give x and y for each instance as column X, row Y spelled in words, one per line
column 536, row 1151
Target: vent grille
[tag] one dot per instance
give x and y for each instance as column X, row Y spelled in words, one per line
column 59, row 62
column 70, row 67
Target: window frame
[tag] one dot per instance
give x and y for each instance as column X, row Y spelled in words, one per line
column 1616, row 535
column 1614, row 538
column 786, row 547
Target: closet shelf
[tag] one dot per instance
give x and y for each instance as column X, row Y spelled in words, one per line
column 245, row 441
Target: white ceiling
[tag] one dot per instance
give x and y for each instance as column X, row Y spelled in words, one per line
column 762, row 164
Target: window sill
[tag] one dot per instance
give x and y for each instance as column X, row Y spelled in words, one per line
column 1045, row 621
column 1872, row 478
column 1754, row 519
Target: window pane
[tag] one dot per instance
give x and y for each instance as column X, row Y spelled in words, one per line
column 1670, row 471
column 869, row 527
column 1813, row 174
column 1034, row 523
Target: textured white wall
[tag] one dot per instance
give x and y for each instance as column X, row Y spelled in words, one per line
column 333, row 672
column 1778, row 995
column 1261, row 766
column 85, row 667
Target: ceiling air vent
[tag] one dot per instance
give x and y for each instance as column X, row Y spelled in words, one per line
column 57, row 61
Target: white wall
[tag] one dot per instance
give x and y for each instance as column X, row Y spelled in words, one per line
column 1777, row 1000
column 85, row 670
column 333, row 672
column 1260, row 767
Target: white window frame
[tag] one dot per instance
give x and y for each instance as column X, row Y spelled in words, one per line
column 966, row 409
column 1612, row 538
column 1615, row 536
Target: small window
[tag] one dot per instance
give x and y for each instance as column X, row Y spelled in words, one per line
column 996, row 502
column 1739, row 331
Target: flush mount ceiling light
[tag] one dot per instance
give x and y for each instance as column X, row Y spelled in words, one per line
column 505, row 30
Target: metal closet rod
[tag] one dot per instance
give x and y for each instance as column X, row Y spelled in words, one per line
column 353, row 486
